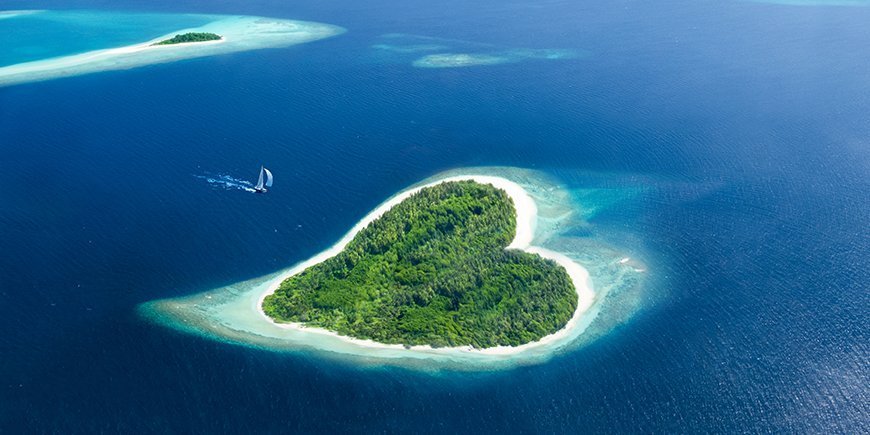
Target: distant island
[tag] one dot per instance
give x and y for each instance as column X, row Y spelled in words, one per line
column 236, row 33
column 190, row 37
column 433, row 270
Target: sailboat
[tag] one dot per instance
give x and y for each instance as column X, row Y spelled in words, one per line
column 261, row 186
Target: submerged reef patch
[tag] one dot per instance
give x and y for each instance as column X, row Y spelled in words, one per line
column 459, row 60
column 454, row 53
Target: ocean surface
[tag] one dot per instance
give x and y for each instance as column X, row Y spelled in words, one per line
column 742, row 127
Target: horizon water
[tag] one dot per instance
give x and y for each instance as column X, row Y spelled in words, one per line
column 723, row 144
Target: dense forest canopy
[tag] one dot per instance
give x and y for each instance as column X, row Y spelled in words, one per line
column 434, row 270
column 189, row 37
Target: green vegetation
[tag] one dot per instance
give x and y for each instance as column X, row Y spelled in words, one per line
column 189, row 37
column 433, row 270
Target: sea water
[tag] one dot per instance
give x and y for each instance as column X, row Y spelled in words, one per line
column 725, row 144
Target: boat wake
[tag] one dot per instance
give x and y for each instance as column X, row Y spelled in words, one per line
column 226, row 182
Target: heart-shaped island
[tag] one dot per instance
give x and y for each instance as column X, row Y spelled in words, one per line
column 433, row 270
column 470, row 269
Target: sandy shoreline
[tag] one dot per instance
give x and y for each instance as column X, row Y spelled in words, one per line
column 526, row 214
column 98, row 55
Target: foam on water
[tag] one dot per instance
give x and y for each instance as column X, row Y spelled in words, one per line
column 227, row 182
column 17, row 13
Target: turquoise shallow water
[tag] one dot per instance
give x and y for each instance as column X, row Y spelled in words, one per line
column 48, row 34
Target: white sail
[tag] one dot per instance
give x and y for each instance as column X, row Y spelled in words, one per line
column 268, row 177
column 260, row 181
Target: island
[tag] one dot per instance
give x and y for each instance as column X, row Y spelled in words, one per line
column 190, row 37
column 220, row 34
column 490, row 325
column 433, row 270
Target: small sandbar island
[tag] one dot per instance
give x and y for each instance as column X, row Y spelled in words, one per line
column 221, row 34
column 453, row 273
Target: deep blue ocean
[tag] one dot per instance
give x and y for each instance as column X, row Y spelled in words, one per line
column 746, row 124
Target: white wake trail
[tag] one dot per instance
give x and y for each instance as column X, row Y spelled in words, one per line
column 226, row 182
